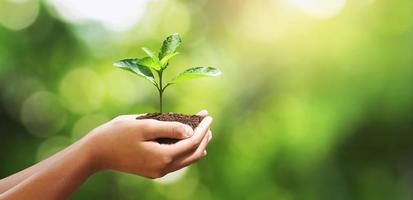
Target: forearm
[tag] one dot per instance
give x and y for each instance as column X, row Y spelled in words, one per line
column 59, row 178
column 13, row 180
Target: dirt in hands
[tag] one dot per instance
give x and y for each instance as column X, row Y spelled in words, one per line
column 191, row 120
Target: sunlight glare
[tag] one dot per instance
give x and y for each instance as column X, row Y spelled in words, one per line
column 115, row 15
column 322, row 9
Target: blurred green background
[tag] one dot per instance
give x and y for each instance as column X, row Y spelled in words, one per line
column 315, row 100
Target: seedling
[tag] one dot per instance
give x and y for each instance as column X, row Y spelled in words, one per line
column 152, row 64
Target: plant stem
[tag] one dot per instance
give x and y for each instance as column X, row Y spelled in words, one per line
column 160, row 101
column 160, row 90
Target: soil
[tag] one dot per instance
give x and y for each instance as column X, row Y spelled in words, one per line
column 191, row 120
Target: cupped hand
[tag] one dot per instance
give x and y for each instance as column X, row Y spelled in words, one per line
column 129, row 145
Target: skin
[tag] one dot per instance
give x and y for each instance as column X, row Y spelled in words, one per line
column 123, row 144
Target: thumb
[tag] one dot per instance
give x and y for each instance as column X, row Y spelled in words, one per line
column 160, row 129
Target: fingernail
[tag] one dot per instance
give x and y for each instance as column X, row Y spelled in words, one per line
column 203, row 113
column 205, row 153
column 188, row 131
column 207, row 120
column 209, row 136
column 204, row 123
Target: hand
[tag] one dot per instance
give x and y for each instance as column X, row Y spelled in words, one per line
column 128, row 145
column 123, row 144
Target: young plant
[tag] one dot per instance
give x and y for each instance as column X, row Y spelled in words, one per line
column 145, row 67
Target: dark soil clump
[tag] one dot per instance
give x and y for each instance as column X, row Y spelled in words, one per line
column 191, row 120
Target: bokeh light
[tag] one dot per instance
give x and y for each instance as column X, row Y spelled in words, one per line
column 18, row 14
column 17, row 91
column 82, row 90
column 180, row 184
column 87, row 123
column 132, row 89
column 42, row 114
column 172, row 177
column 51, row 146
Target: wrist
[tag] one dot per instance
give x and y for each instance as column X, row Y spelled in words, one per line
column 91, row 154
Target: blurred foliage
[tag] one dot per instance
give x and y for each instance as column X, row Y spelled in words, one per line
column 315, row 101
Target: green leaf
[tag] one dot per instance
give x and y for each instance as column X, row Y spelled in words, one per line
column 133, row 66
column 170, row 45
column 166, row 59
column 150, row 53
column 196, row 72
column 149, row 62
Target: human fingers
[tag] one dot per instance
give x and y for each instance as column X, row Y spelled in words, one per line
column 154, row 129
column 193, row 142
column 194, row 156
column 202, row 113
